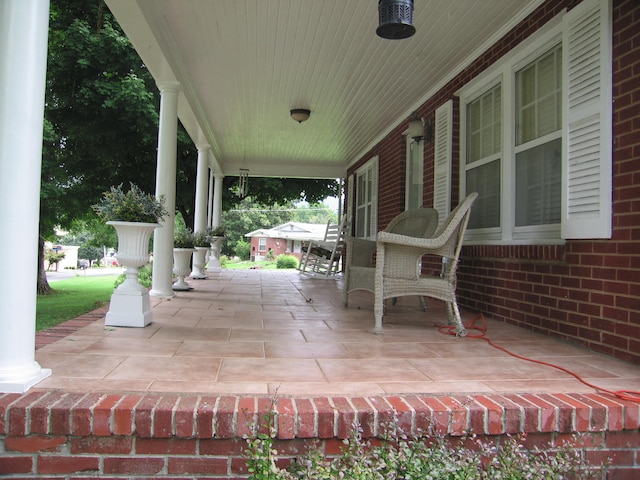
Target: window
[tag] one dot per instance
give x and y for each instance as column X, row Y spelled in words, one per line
column 366, row 204
column 484, row 153
column 414, row 174
column 262, row 244
column 535, row 134
column 538, row 148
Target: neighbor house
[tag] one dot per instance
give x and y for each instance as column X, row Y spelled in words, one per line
column 288, row 238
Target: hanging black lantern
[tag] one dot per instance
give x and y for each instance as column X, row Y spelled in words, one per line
column 396, row 19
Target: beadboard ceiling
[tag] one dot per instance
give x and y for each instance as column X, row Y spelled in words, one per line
column 243, row 64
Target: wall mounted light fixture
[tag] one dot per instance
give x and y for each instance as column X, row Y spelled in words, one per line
column 300, row 114
column 395, row 19
column 419, row 129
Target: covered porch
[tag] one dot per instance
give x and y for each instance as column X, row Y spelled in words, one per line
column 261, row 332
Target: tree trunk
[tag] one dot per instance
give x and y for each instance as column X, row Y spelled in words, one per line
column 43, row 285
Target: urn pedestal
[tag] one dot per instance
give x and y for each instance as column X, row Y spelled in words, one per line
column 130, row 305
column 214, row 260
column 199, row 261
column 182, row 267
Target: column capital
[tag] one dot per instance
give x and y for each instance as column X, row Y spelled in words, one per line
column 219, row 175
column 203, row 147
column 168, row 86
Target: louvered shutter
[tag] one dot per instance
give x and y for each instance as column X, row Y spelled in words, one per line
column 442, row 160
column 373, row 220
column 350, row 199
column 586, row 202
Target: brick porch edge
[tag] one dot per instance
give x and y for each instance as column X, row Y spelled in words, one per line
column 164, row 416
column 60, row 432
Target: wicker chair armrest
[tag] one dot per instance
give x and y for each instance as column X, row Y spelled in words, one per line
column 360, row 251
column 422, row 243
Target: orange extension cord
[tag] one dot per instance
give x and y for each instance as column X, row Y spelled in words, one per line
column 629, row 395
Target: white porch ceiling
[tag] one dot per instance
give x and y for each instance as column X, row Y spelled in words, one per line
column 243, row 64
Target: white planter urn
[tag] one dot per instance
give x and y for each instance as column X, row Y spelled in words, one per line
column 199, row 261
column 182, row 267
column 129, row 305
column 214, row 260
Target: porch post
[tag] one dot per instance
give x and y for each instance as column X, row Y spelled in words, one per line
column 166, row 185
column 214, row 261
column 202, row 184
column 23, row 68
column 210, row 199
column 217, row 201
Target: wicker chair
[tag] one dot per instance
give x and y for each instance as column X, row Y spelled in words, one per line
column 398, row 256
column 359, row 269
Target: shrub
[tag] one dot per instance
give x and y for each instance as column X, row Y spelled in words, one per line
column 133, row 205
column 286, row 261
column 243, row 250
column 425, row 456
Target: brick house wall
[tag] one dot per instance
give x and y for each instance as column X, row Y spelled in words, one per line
column 585, row 291
column 278, row 245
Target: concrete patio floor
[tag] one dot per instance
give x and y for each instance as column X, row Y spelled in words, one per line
column 256, row 332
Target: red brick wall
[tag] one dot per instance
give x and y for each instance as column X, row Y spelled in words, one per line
column 278, row 245
column 585, row 291
column 51, row 434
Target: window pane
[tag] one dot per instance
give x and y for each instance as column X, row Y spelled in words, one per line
column 538, row 97
column 414, row 176
column 484, row 125
column 538, row 183
column 486, row 181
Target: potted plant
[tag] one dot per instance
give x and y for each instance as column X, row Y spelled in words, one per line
column 135, row 215
column 202, row 244
column 216, row 235
column 183, row 248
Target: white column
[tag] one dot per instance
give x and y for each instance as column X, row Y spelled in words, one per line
column 23, row 67
column 200, row 211
column 202, row 187
column 217, row 201
column 214, row 260
column 210, row 199
column 166, row 185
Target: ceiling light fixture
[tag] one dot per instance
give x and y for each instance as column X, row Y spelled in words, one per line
column 300, row 114
column 395, row 19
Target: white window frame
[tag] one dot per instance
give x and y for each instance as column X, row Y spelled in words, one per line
column 414, row 171
column 597, row 225
column 369, row 208
column 262, row 244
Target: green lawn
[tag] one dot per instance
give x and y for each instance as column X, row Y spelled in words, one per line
column 245, row 265
column 72, row 298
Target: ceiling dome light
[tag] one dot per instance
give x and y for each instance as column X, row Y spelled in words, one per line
column 395, row 19
column 300, row 114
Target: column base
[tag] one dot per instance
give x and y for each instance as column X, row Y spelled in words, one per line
column 21, row 382
column 129, row 308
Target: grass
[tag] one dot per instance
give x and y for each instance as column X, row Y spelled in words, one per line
column 245, row 265
column 72, row 298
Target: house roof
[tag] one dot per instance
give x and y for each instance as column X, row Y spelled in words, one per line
column 292, row 231
column 243, row 64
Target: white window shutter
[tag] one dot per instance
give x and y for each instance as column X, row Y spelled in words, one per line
column 350, row 197
column 586, row 199
column 442, row 160
column 374, row 197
